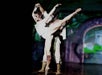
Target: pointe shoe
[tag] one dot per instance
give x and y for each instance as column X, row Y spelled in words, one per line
column 47, row 68
column 43, row 67
column 41, row 70
column 79, row 9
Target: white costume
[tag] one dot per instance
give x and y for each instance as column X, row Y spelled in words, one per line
column 46, row 32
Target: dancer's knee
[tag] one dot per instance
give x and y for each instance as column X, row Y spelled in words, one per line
column 48, row 57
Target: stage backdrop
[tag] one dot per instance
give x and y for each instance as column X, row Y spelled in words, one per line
column 85, row 45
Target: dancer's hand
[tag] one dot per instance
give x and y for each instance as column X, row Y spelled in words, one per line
column 58, row 4
column 37, row 5
column 79, row 9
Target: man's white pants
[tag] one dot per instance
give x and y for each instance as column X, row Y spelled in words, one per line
column 57, row 49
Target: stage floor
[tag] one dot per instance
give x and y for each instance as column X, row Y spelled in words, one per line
column 71, row 69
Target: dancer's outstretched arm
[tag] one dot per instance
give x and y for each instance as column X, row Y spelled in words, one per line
column 51, row 12
column 33, row 14
column 44, row 12
column 38, row 5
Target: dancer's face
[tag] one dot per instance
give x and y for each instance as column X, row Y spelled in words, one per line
column 37, row 17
